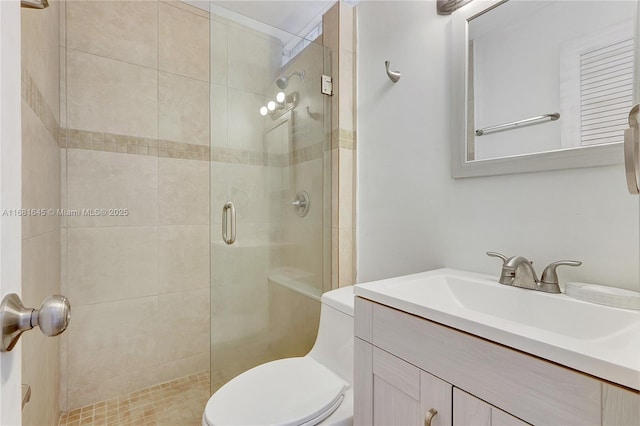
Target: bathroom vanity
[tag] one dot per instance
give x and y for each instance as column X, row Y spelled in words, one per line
column 426, row 354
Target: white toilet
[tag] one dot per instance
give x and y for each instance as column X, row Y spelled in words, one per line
column 304, row 391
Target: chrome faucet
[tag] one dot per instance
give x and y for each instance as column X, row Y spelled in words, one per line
column 518, row 271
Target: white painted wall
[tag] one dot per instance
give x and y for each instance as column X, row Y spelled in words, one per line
column 412, row 216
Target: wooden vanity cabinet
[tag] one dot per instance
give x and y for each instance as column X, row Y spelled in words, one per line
column 406, row 365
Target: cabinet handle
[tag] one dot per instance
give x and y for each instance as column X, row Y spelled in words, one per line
column 430, row 414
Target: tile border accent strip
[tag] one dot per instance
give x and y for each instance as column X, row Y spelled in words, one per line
column 342, row 138
column 33, row 97
column 124, row 144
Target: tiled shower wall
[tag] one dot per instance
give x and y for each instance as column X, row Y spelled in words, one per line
column 135, row 118
column 339, row 26
column 40, row 190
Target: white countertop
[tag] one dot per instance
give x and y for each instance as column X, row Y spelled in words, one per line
column 598, row 340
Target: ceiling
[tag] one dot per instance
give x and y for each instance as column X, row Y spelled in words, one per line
column 291, row 16
column 294, row 17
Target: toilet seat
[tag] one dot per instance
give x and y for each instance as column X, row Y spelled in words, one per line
column 286, row 392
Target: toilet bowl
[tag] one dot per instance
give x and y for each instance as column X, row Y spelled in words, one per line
column 312, row 390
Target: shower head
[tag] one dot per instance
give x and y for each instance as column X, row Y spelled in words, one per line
column 283, row 82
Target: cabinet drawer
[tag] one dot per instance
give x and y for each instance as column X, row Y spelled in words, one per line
column 532, row 389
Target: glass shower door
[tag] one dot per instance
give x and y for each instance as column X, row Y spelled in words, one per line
column 270, row 130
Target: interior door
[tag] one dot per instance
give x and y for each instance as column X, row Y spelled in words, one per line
column 10, row 197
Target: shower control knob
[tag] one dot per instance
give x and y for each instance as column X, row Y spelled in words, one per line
column 52, row 317
column 301, row 203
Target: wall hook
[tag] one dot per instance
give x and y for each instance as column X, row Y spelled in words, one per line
column 393, row 75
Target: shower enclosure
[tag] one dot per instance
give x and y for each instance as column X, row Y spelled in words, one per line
column 270, row 195
column 162, row 125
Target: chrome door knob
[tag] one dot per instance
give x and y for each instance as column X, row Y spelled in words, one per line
column 54, row 315
column 53, row 318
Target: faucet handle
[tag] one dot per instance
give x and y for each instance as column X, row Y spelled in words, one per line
column 495, row 254
column 550, row 276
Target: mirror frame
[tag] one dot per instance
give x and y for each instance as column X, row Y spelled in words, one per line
column 588, row 156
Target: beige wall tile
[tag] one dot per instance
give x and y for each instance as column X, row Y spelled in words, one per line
column 346, row 188
column 43, row 352
column 327, row 198
column 40, row 53
column 253, row 60
column 347, row 24
column 249, row 188
column 63, row 22
column 183, row 258
column 122, row 30
column 63, row 89
column 335, row 258
column 346, row 85
column 184, row 109
column 35, row 282
column 107, row 264
column 239, row 309
column 40, row 174
column 183, row 42
column 41, row 189
column 219, row 116
column 109, row 343
column 105, row 95
column 183, row 192
column 335, row 188
column 346, row 273
column 331, row 28
column 303, row 236
column 245, row 126
column 107, row 180
column 326, row 259
column 293, row 321
column 63, row 338
column 41, row 278
column 219, row 55
column 184, row 327
column 184, row 366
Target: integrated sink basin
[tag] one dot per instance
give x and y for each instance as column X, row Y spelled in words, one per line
column 595, row 339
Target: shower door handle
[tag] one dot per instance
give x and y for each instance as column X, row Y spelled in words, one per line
column 632, row 151
column 228, row 210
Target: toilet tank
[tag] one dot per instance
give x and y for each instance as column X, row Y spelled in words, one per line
column 334, row 345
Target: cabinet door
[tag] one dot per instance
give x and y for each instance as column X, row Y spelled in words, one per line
column 620, row 406
column 471, row 411
column 403, row 394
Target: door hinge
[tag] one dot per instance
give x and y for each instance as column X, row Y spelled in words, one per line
column 327, row 85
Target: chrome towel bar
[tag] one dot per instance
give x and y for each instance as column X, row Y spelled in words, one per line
column 520, row 123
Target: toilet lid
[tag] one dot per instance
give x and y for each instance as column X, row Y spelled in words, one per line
column 286, row 392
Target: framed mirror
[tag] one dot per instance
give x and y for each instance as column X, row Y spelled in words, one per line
column 541, row 85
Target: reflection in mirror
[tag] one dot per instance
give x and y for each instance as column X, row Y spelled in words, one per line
column 545, row 76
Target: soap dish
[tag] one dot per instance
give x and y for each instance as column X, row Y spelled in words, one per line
column 604, row 295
